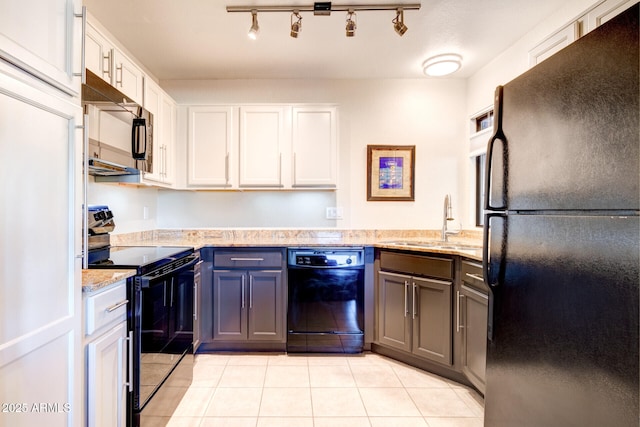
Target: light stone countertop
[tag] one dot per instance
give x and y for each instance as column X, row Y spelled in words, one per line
column 93, row 280
column 249, row 237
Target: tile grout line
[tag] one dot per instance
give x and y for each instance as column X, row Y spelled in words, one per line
column 214, row 390
column 359, row 393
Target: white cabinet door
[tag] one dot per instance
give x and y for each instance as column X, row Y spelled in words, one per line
column 315, row 146
column 153, row 103
column 44, row 38
column 106, row 389
column 262, row 139
column 211, row 148
column 163, row 108
column 167, row 128
column 98, row 51
column 555, row 43
column 127, row 77
column 40, row 302
column 605, row 11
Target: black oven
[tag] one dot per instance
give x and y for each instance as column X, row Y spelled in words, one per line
column 161, row 318
column 326, row 300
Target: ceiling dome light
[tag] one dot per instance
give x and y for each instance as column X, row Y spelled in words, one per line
column 296, row 27
column 253, row 31
column 351, row 23
column 442, row 65
column 398, row 22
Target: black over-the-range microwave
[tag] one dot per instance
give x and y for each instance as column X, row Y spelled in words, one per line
column 118, row 132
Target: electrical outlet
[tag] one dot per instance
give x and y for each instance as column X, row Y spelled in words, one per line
column 331, row 213
column 145, row 212
column 334, row 213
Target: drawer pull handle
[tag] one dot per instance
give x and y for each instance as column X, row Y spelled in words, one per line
column 129, row 382
column 247, row 259
column 476, row 277
column 459, row 314
column 114, row 307
column 413, row 300
column 119, row 68
column 406, row 286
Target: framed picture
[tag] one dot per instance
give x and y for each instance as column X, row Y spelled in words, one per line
column 390, row 172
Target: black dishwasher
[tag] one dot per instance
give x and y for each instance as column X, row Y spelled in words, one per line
column 326, row 300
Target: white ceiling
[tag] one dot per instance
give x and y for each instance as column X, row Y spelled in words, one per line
column 199, row 39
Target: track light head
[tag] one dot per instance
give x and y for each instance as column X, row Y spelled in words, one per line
column 296, row 26
column 398, row 22
column 351, row 23
column 253, row 31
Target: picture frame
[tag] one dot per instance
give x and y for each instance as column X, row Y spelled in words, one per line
column 391, row 172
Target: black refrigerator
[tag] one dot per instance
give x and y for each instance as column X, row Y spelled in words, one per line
column 561, row 238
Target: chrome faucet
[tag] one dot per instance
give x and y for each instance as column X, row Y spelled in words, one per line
column 447, row 216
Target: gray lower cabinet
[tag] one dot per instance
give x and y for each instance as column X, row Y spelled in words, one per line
column 248, row 296
column 471, row 323
column 394, row 322
column 248, row 305
column 414, row 313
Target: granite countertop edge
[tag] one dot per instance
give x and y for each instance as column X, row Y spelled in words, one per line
column 96, row 279
column 243, row 238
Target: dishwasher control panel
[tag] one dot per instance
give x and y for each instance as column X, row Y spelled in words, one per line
column 344, row 257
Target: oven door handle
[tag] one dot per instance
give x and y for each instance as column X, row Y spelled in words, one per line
column 145, row 281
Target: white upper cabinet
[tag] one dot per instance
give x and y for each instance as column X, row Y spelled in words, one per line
column 98, row 52
column 555, row 43
column 262, row 141
column 591, row 19
column 167, row 128
column 271, row 146
column 211, row 151
column 605, row 11
column 153, row 104
column 48, row 47
column 104, row 59
column 163, row 108
column 127, row 77
column 315, row 146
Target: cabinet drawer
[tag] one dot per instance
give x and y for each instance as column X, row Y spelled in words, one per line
column 472, row 275
column 106, row 307
column 247, row 259
column 418, row 265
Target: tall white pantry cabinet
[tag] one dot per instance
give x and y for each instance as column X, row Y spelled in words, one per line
column 41, row 358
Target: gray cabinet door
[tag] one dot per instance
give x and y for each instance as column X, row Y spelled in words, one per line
column 394, row 321
column 431, row 314
column 473, row 324
column 229, row 302
column 266, row 306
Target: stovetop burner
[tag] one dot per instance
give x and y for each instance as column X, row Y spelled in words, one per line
column 142, row 258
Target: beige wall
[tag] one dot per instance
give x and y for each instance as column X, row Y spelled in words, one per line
column 432, row 114
column 421, row 112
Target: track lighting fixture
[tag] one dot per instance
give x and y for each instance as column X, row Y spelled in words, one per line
column 296, row 26
column 325, row 9
column 253, row 31
column 398, row 22
column 351, row 23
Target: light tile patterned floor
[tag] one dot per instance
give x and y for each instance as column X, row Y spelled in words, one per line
column 280, row 390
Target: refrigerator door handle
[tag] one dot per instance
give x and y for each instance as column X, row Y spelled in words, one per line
column 492, row 275
column 498, row 135
column 493, row 270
